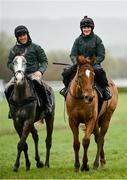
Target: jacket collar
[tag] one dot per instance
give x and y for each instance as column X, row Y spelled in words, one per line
column 88, row 37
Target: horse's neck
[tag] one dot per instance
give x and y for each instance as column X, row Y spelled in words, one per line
column 22, row 91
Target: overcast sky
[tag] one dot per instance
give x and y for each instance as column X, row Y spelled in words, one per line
column 53, row 9
column 30, row 11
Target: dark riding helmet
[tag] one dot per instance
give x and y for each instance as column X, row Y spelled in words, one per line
column 19, row 30
column 86, row 22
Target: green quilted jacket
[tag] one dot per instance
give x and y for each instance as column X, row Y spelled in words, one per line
column 35, row 56
column 88, row 46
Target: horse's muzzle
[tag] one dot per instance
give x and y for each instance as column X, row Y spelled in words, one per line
column 19, row 77
column 88, row 99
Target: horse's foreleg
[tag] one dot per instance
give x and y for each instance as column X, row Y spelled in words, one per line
column 85, row 143
column 100, row 150
column 49, row 127
column 102, row 156
column 76, row 143
column 25, row 149
column 96, row 133
column 36, row 139
column 17, row 163
column 22, row 145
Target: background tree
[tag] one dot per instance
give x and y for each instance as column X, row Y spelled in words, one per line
column 54, row 71
column 115, row 68
column 6, row 42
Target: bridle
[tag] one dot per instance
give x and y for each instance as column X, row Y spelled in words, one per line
column 19, row 69
column 77, row 80
column 20, row 73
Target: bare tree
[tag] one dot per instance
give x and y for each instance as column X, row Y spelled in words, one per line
column 6, row 42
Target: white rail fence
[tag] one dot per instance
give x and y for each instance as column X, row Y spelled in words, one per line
column 57, row 85
column 2, row 87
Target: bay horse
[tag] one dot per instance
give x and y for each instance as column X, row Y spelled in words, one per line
column 82, row 107
column 25, row 112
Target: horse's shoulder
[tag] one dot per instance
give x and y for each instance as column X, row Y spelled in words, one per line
column 113, row 88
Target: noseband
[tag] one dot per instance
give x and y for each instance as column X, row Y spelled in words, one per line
column 17, row 72
column 19, row 76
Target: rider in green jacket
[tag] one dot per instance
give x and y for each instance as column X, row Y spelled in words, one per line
column 89, row 44
column 36, row 62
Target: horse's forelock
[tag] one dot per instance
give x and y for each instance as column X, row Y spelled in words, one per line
column 81, row 60
column 85, row 60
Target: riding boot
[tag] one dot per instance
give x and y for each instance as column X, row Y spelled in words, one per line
column 7, row 95
column 48, row 105
column 107, row 94
column 44, row 95
column 8, row 91
column 101, row 80
column 68, row 74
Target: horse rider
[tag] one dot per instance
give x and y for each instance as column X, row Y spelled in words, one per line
column 36, row 62
column 88, row 44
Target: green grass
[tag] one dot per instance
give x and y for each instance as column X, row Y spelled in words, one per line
column 62, row 156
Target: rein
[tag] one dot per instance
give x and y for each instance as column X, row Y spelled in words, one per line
column 76, row 97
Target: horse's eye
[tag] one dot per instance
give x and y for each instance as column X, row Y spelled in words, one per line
column 24, row 62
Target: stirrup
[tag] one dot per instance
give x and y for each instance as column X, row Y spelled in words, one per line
column 63, row 92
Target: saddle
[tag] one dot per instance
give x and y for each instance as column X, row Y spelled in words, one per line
column 42, row 92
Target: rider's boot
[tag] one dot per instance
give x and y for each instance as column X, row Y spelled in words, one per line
column 107, row 94
column 7, row 95
column 48, row 105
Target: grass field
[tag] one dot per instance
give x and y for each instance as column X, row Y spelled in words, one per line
column 62, row 156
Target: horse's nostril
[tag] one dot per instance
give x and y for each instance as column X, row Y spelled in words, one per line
column 88, row 99
column 18, row 77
